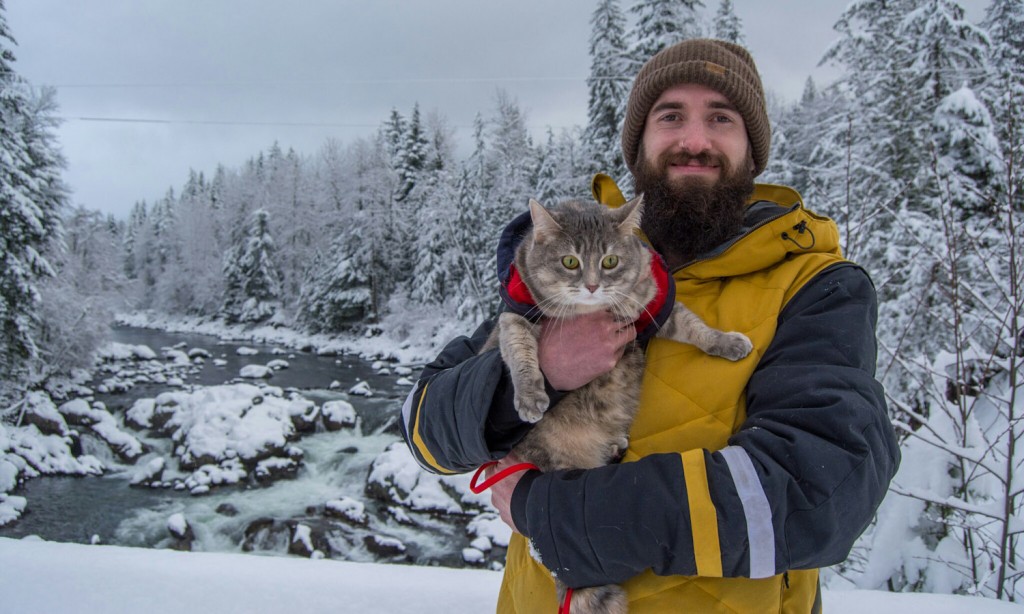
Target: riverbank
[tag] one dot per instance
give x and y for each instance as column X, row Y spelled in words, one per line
column 396, row 338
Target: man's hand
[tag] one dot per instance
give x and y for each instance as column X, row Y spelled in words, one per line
column 575, row 351
column 501, row 492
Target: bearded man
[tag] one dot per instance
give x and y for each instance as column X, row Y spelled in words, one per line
column 741, row 479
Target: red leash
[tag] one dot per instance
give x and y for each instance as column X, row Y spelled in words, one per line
column 497, row 477
column 478, row 488
column 564, row 608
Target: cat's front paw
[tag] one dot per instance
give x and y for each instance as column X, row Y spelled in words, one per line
column 531, row 406
column 732, row 346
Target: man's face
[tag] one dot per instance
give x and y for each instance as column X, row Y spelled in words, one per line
column 694, row 133
column 695, row 170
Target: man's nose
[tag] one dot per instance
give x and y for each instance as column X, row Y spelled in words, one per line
column 693, row 138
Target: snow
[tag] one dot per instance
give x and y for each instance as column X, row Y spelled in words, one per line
column 177, row 524
column 44, row 576
column 255, row 372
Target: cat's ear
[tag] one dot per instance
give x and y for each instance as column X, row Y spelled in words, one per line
column 631, row 212
column 544, row 225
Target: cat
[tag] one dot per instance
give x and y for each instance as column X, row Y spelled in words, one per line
column 582, row 257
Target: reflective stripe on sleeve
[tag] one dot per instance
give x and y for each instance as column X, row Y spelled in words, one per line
column 760, row 532
column 707, row 552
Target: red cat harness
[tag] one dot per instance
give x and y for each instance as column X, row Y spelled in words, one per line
column 518, row 298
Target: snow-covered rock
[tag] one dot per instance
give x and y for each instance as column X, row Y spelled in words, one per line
column 361, row 389
column 256, row 372
column 246, row 351
column 347, row 509
column 100, row 421
column 40, row 411
column 338, row 414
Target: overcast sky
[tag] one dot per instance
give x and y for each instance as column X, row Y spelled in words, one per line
column 182, row 84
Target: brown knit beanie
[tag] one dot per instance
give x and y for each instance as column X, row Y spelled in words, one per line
column 724, row 67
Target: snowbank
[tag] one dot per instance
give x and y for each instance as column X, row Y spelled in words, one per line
column 50, row 577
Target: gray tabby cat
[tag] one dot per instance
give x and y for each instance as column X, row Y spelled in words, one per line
column 582, row 258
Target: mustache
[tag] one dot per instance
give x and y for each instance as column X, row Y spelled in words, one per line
column 704, row 158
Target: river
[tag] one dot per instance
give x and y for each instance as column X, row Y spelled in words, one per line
column 335, row 465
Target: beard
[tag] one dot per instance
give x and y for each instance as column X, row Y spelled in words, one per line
column 687, row 217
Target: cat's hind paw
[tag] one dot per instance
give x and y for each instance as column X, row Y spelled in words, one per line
column 732, row 346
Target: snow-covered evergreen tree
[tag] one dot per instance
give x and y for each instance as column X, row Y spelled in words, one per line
column 1003, row 89
column 727, row 25
column 32, row 196
column 661, row 23
column 255, row 281
column 608, row 88
column 337, row 292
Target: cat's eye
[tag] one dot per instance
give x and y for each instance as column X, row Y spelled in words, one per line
column 570, row 262
column 610, row 262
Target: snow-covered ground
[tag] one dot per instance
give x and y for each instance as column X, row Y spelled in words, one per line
column 42, row 576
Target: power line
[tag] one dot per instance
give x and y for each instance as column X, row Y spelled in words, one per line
column 214, row 122
column 321, row 83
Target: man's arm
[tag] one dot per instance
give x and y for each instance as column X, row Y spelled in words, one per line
column 460, row 413
column 796, row 486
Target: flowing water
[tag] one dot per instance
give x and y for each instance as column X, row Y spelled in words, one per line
column 107, row 510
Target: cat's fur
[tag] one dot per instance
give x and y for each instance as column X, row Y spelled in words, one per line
column 590, row 426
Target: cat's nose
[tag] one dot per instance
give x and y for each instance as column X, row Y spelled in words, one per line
column 592, row 288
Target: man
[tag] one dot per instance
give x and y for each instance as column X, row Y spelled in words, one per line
column 742, row 478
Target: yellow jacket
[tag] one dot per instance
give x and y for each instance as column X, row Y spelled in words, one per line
column 741, row 478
